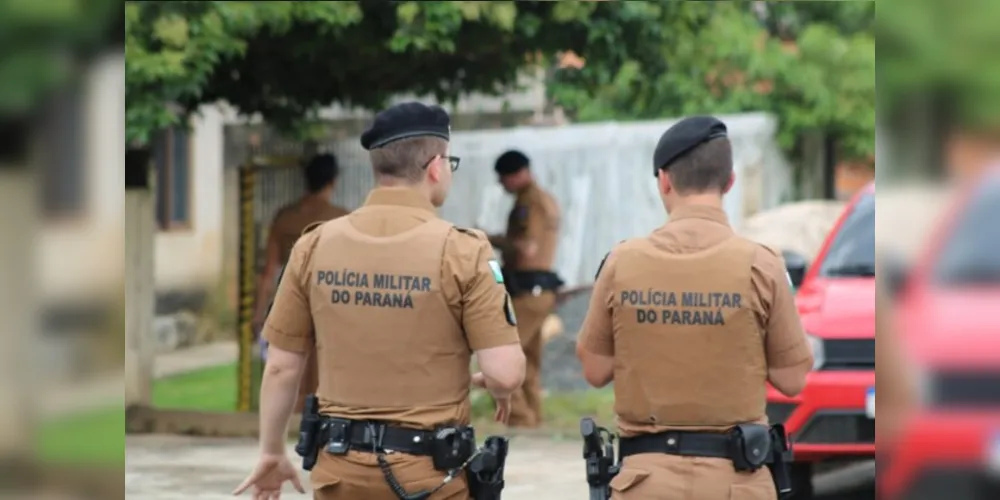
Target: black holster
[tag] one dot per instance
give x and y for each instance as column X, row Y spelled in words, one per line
column 781, row 461
column 599, row 455
column 754, row 446
column 485, row 473
column 310, row 433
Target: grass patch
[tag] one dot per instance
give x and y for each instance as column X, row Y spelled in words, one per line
column 95, row 437
column 563, row 411
column 99, row 436
column 211, row 389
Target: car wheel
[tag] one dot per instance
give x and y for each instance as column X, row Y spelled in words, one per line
column 802, row 485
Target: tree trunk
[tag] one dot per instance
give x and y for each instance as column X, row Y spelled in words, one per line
column 140, row 296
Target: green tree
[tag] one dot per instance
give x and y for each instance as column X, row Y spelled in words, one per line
column 810, row 63
column 284, row 60
column 43, row 46
column 942, row 49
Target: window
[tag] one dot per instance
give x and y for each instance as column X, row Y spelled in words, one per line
column 970, row 256
column 852, row 252
column 63, row 180
column 172, row 160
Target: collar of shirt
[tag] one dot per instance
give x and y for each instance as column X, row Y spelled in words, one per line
column 399, row 197
column 703, row 212
column 527, row 191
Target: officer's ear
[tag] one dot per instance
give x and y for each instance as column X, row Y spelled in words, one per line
column 434, row 169
column 729, row 183
column 663, row 179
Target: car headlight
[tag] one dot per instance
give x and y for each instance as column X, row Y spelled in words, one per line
column 819, row 353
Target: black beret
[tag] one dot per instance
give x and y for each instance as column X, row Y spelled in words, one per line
column 684, row 136
column 511, row 162
column 406, row 120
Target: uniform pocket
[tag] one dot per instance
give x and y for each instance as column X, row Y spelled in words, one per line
column 322, row 478
column 628, row 479
column 752, row 491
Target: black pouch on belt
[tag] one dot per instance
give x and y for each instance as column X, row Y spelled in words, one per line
column 750, row 446
column 338, row 436
column 452, row 447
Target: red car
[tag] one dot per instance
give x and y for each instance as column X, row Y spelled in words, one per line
column 948, row 318
column 834, row 417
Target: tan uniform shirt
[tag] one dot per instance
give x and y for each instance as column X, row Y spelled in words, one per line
column 394, row 299
column 292, row 219
column 533, row 224
column 693, row 316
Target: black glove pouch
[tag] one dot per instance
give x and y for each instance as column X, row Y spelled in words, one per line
column 750, row 446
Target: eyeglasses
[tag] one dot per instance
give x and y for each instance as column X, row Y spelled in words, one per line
column 453, row 162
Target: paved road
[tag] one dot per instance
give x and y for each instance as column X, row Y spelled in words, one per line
column 175, row 468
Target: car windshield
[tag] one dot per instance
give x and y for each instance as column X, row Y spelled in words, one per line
column 971, row 255
column 852, row 252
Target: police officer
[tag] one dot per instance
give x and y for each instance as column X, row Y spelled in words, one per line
column 528, row 250
column 289, row 223
column 689, row 322
column 394, row 299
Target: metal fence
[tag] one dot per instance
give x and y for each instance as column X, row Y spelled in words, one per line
column 599, row 173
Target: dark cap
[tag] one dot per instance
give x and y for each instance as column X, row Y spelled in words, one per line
column 406, row 120
column 684, row 136
column 511, row 162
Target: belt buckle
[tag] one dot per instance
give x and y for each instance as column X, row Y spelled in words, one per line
column 536, row 291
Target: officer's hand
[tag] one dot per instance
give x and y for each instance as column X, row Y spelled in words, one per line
column 267, row 478
column 503, row 410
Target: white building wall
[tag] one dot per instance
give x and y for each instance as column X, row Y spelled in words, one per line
column 192, row 257
column 83, row 255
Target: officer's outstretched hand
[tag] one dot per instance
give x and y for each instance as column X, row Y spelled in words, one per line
column 267, row 478
column 503, row 409
column 503, row 404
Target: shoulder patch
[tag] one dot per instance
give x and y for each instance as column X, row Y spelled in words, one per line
column 309, row 227
column 496, row 270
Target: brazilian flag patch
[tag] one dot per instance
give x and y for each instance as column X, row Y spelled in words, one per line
column 497, row 272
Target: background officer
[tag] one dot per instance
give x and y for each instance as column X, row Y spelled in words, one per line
column 529, row 250
column 689, row 322
column 289, row 223
column 394, row 300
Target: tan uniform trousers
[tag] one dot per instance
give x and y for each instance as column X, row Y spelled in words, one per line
column 356, row 476
column 667, row 477
column 526, row 403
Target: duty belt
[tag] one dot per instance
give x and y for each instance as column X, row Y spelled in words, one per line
column 378, row 437
column 680, row 443
column 533, row 282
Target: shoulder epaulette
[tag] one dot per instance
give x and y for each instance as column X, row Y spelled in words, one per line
column 471, row 232
column 309, row 227
column 605, row 259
